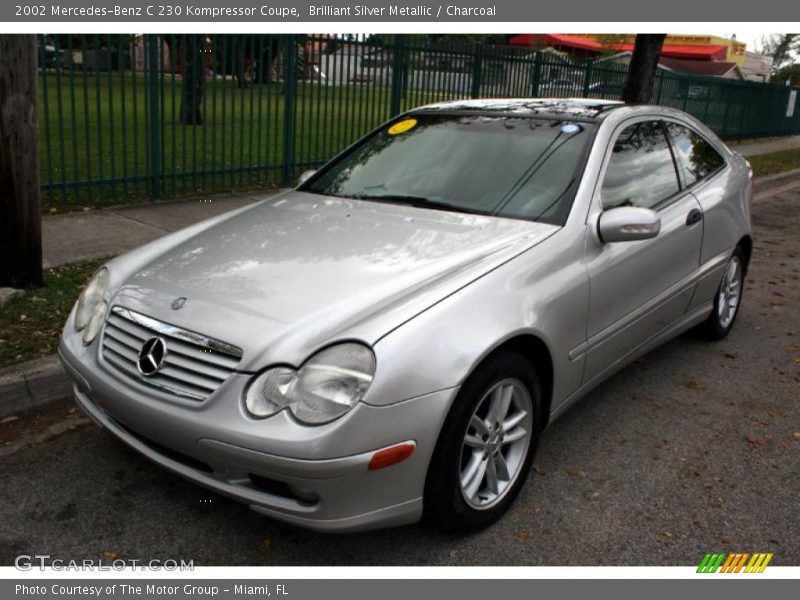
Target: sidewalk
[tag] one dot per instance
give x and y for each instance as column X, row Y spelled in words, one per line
column 766, row 146
column 77, row 236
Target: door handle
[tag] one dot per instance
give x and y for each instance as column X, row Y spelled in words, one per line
column 695, row 216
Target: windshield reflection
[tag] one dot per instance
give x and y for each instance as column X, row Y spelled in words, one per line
column 496, row 165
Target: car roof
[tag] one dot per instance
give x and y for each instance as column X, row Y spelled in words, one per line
column 585, row 109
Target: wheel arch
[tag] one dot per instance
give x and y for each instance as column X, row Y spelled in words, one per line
column 439, row 506
column 534, row 349
column 746, row 245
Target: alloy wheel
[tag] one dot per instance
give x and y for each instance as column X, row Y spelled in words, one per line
column 495, row 444
column 730, row 291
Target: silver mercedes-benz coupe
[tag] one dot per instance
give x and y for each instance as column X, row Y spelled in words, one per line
column 388, row 340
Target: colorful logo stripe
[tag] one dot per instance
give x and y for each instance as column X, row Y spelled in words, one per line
column 734, row 562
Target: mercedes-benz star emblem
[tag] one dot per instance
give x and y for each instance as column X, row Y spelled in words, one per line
column 178, row 303
column 152, row 356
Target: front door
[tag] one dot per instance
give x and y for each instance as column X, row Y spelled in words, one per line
column 639, row 288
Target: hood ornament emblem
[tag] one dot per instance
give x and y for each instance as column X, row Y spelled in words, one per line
column 178, row 303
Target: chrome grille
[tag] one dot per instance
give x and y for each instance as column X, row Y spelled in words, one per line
column 193, row 367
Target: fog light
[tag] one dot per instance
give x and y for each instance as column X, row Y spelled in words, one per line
column 303, row 495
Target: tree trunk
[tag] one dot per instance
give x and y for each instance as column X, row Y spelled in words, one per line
column 194, row 79
column 20, row 212
column 642, row 70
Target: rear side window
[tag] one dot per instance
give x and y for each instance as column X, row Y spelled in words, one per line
column 696, row 157
column 641, row 171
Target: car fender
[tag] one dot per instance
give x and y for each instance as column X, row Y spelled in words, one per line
column 542, row 293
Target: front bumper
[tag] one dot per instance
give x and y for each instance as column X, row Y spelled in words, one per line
column 314, row 477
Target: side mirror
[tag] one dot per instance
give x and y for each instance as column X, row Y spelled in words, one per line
column 627, row 224
column 305, row 176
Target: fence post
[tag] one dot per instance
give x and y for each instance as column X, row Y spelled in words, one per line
column 796, row 115
column 477, row 70
column 154, row 115
column 708, row 102
column 587, row 77
column 745, row 104
column 761, row 116
column 289, row 104
column 723, row 131
column 398, row 61
column 688, row 79
column 660, row 77
column 537, row 74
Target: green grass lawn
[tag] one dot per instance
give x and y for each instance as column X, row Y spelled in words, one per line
column 94, row 127
column 31, row 325
column 775, row 162
column 95, row 133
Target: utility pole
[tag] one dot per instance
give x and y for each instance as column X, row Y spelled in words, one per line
column 20, row 212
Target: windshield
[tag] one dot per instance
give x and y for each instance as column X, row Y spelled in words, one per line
column 506, row 166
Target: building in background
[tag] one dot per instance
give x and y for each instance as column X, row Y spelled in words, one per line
column 757, row 67
column 710, row 68
column 685, row 47
column 683, row 53
column 575, row 46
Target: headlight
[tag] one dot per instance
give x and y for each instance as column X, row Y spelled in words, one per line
column 91, row 307
column 328, row 385
column 95, row 323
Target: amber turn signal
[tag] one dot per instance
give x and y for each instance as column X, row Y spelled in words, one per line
column 391, row 456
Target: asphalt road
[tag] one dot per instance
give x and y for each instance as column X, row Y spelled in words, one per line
column 695, row 447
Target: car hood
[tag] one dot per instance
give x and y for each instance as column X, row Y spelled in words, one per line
column 298, row 271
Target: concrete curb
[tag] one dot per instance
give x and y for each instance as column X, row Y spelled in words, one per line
column 772, row 185
column 764, row 184
column 32, row 384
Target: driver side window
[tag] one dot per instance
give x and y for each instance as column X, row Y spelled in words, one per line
column 641, row 171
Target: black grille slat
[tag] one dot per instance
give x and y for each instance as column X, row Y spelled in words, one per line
column 143, row 332
column 125, row 351
column 162, row 380
column 119, row 361
column 217, row 360
column 182, row 375
column 193, row 370
column 123, row 336
column 181, row 361
column 138, row 331
column 129, row 327
column 126, row 329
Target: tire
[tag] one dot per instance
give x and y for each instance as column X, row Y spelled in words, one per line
column 730, row 290
column 466, row 446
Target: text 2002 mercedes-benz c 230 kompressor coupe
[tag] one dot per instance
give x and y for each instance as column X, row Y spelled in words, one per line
column 389, row 339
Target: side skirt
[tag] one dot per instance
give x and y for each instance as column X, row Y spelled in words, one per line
column 689, row 320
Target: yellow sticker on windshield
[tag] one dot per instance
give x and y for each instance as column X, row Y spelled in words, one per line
column 402, row 126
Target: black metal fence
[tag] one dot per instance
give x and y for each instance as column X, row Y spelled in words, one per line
column 126, row 117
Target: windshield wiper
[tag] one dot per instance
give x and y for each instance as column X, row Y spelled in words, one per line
column 417, row 202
